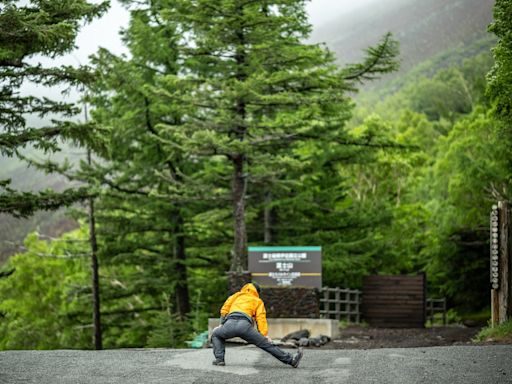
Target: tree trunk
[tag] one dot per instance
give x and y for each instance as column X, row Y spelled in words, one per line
column 96, row 316
column 268, row 216
column 239, row 259
column 181, row 294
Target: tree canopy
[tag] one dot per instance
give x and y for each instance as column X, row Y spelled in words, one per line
column 28, row 29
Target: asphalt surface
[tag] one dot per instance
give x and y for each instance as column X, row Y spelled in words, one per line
column 247, row 364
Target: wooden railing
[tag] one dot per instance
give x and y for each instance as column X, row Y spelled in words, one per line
column 436, row 306
column 341, row 304
column 345, row 304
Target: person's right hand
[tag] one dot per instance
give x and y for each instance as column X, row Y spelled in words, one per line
column 269, row 339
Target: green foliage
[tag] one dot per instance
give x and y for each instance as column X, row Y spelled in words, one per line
column 467, row 171
column 499, row 333
column 40, row 293
column 500, row 77
column 447, row 93
column 46, row 301
column 27, row 29
column 438, row 193
column 23, row 204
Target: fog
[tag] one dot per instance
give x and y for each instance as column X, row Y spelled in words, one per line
column 104, row 32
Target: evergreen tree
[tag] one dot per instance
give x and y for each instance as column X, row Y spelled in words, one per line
column 255, row 95
column 500, row 77
column 27, row 29
column 143, row 213
column 500, row 82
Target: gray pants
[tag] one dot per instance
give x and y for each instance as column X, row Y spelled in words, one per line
column 242, row 328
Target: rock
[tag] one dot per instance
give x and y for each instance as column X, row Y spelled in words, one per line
column 324, row 339
column 297, row 335
column 291, row 302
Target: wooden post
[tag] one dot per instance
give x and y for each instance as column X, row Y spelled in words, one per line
column 495, row 308
column 337, row 303
column 504, row 263
column 501, row 264
column 358, row 308
column 327, row 306
column 444, row 311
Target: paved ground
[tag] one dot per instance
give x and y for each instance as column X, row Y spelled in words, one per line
column 437, row 365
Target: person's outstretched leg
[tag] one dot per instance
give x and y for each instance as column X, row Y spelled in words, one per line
column 254, row 337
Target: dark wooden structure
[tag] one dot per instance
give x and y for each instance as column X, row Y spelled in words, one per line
column 395, row 301
column 501, row 263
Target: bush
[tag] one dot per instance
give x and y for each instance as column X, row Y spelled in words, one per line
column 502, row 332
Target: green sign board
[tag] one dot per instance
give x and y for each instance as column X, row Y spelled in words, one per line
column 286, row 266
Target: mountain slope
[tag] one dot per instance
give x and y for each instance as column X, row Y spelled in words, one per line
column 423, row 28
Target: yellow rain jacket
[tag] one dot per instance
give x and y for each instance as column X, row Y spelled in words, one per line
column 248, row 302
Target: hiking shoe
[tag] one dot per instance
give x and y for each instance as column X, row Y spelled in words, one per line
column 219, row 362
column 296, row 359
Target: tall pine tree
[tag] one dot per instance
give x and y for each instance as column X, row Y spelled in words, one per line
column 255, row 95
column 28, row 29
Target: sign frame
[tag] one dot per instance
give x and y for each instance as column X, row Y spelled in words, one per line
column 286, row 266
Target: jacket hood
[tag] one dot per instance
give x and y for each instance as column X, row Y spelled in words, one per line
column 250, row 289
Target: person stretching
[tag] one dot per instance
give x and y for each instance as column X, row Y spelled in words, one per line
column 237, row 320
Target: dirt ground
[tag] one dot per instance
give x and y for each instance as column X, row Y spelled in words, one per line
column 367, row 338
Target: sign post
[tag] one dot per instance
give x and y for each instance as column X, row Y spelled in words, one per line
column 494, row 265
column 286, row 266
column 500, row 264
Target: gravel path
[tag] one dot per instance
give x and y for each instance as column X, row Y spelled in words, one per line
column 366, row 338
column 247, row 364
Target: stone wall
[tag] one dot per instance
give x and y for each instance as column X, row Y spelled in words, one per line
column 290, row 302
column 281, row 302
column 236, row 280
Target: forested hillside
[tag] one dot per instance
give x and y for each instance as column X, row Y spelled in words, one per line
column 423, row 28
column 241, row 133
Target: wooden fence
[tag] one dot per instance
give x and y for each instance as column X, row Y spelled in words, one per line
column 341, row 304
column 395, row 301
column 436, row 306
column 346, row 304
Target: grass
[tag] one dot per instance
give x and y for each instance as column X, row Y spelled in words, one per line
column 502, row 332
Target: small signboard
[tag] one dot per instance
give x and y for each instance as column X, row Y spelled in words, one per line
column 494, row 267
column 286, row 266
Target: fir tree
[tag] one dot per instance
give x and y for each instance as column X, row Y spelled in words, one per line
column 142, row 213
column 27, row 29
column 255, row 95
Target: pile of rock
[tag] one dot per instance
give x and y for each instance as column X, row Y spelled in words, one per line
column 288, row 302
column 302, row 339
